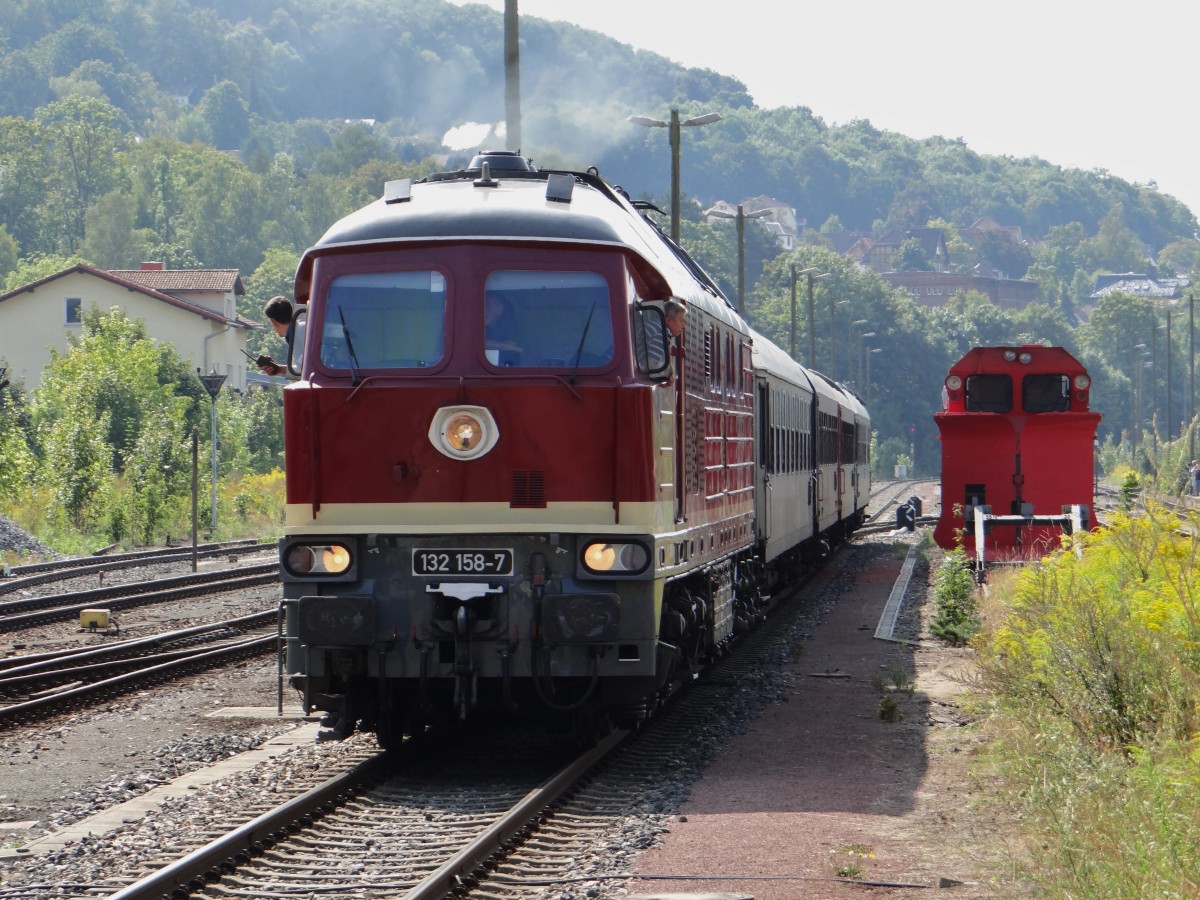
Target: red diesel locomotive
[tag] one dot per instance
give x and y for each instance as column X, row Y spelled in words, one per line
column 510, row 488
column 1017, row 449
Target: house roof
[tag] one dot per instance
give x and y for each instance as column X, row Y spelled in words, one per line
column 1140, row 286
column 171, row 281
column 114, row 277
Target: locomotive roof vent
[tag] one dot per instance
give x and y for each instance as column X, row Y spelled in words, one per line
column 559, row 188
column 397, row 191
column 500, row 161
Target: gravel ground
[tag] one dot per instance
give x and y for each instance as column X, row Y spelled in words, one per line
column 71, row 767
column 17, row 542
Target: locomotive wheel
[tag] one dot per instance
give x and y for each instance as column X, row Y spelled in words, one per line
column 589, row 726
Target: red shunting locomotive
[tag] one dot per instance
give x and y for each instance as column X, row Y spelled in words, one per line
column 1018, row 444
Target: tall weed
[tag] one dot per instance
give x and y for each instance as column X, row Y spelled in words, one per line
column 1092, row 670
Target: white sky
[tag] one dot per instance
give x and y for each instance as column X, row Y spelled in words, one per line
column 1089, row 84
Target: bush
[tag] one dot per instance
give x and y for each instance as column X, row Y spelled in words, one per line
column 957, row 617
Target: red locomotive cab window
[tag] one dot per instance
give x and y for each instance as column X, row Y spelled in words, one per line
column 546, row 319
column 989, row 393
column 1045, row 393
column 384, row 320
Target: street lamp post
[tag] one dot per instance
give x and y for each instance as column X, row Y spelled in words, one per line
column 673, row 127
column 812, row 334
column 833, row 335
column 212, row 383
column 741, row 216
column 1170, row 420
column 1191, row 375
column 851, row 350
column 512, row 76
column 871, row 351
column 862, row 350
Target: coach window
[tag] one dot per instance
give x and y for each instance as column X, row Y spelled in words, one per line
column 384, row 320
column 548, row 320
column 1045, row 393
column 989, row 393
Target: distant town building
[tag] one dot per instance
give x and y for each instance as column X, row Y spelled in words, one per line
column 936, row 288
column 195, row 310
column 878, row 254
column 1165, row 292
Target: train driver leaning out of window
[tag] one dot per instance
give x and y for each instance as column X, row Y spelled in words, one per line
column 674, row 312
column 500, row 332
column 279, row 314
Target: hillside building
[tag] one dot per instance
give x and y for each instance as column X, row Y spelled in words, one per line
column 195, row 310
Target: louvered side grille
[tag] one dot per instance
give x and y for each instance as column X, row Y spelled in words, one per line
column 528, row 490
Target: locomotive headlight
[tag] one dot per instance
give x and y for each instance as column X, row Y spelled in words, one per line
column 1082, row 382
column 317, row 559
column 953, row 382
column 1026, row 358
column 463, row 432
column 605, row 558
column 1010, row 355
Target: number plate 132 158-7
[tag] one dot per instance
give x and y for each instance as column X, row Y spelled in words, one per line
column 452, row 561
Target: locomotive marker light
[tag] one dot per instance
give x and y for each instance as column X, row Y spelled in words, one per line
column 674, row 126
column 318, row 559
column 615, row 558
column 463, row 432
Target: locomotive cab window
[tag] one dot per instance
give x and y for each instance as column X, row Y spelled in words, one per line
column 384, row 320
column 989, row 393
column 557, row 320
column 1046, row 393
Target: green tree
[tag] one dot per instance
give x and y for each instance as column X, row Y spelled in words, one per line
column 1115, row 248
column 226, row 114
column 10, row 252
column 22, row 181
column 17, row 462
column 82, row 138
column 116, row 403
column 1005, row 253
column 110, row 239
column 37, row 266
column 910, row 257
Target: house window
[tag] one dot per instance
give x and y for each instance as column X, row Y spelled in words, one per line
column 74, row 314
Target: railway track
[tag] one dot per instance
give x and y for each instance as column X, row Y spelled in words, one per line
column 455, row 817
column 32, row 611
column 54, row 682
column 23, row 578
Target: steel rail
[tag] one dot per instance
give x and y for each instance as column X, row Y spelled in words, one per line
column 452, row 873
column 254, row 834
column 131, row 594
column 46, row 663
column 134, row 556
column 249, row 646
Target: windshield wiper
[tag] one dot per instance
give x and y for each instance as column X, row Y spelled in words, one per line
column 354, row 366
column 582, row 338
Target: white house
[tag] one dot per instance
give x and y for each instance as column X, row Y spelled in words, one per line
column 195, row 310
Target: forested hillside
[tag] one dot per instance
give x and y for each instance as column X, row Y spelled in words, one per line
column 261, row 76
